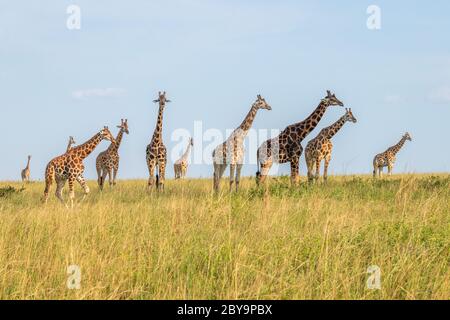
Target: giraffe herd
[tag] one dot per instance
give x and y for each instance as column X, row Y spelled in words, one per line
column 284, row 148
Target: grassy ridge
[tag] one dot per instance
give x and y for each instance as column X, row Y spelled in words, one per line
column 308, row 242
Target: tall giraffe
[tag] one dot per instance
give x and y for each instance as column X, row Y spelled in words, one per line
column 321, row 146
column 156, row 152
column 70, row 143
column 286, row 147
column 107, row 162
column 387, row 158
column 26, row 172
column 180, row 166
column 232, row 150
column 69, row 167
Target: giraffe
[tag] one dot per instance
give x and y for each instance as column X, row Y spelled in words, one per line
column 387, row 158
column 286, row 147
column 26, row 172
column 156, row 152
column 107, row 162
column 321, row 146
column 232, row 150
column 69, row 145
column 69, row 167
column 180, row 166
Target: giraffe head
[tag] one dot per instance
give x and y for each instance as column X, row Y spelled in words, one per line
column 161, row 98
column 261, row 103
column 407, row 136
column 106, row 134
column 349, row 115
column 71, row 140
column 29, row 157
column 124, row 126
column 331, row 100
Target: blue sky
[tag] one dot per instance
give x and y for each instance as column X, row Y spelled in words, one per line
column 213, row 58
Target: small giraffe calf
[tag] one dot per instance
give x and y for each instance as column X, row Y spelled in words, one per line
column 387, row 158
column 321, row 146
column 26, row 172
column 107, row 162
column 180, row 166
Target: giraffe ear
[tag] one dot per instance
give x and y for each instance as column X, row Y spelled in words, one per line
column 328, row 93
column 156, row 100
column 258, row 96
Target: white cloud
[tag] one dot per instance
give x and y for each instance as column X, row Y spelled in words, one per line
column 440, row 95
column 98, row 92
column 393, row 98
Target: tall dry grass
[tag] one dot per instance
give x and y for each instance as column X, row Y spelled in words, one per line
column 310, row 242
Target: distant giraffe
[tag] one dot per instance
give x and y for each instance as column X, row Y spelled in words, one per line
column 26, row 172
column 156, row 152
column 69, row 166
column 107, row 162
column 69, row 145
column 232, row 150
column 286, row 147
column 321, row 146
column 387, row 158
column 180, row 166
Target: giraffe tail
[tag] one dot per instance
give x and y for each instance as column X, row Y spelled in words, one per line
column 157, row 179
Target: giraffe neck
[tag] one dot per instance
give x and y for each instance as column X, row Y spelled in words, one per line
column 159, row 123
column 306, row 126
column 82, row 151
column 334, row 128
column 248, row 120
column 396, row 148
column 186, row 153
column 28, row 163
column 115, row 146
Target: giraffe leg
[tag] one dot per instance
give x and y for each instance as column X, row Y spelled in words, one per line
column 71, row 190
column 325, row 167
column 110, row 177
column 238, row 175
column 175, row 170
column 265, row 168
column 59, row 188
column 115, row 170
column 83, row 185
column 49, row 177
column 310, row 168
column 294, row 171
column 232, row 170
column 380, row 172
column 219, row 169
column 317, row 173
column 98, row 167
column 151, row 170
column 390, row 166
column 103, row 179
column 162, row 174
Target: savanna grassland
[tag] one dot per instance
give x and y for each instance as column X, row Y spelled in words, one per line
column 310, row 242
